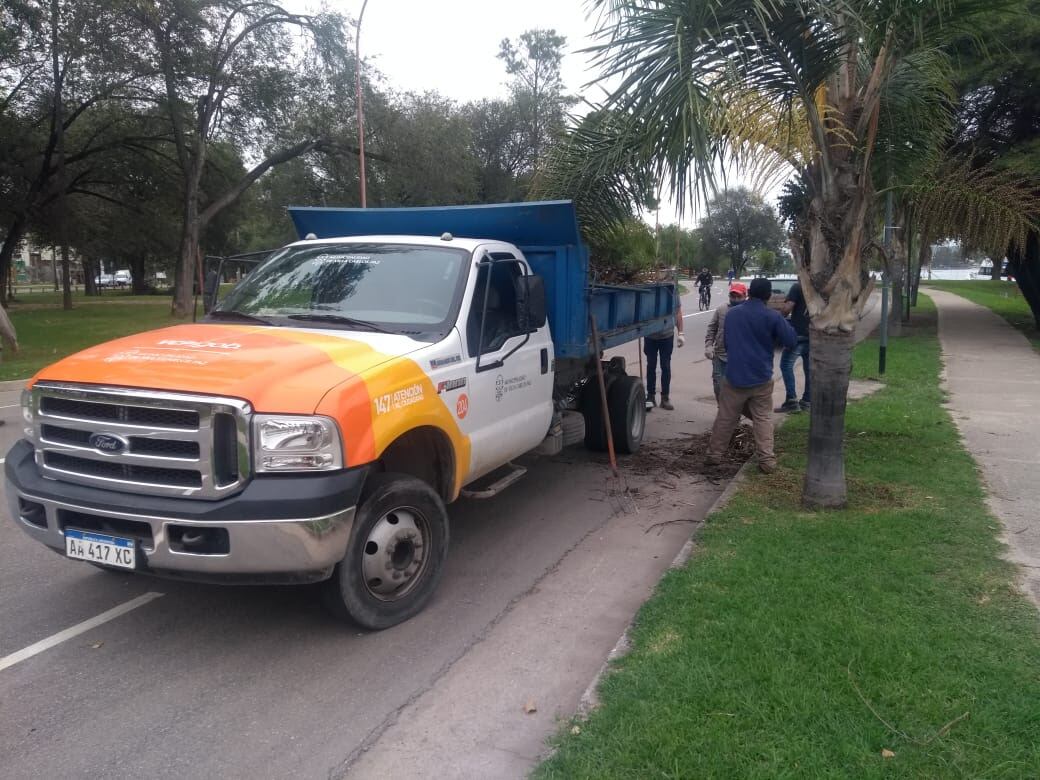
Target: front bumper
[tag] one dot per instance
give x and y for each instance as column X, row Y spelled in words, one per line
column 278, row 529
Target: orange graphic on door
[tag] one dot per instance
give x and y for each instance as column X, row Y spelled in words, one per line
column 462, row 406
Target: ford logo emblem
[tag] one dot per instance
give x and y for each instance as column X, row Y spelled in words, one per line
column 108, row 443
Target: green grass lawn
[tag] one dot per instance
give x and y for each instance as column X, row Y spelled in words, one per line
column 799, row 645
column 45, row 335
column 51, row 298
column 1003, row 297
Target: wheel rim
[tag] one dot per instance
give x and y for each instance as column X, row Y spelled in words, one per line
column 395, row 554
column 638, row 420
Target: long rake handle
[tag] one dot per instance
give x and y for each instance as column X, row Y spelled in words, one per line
column 603, row 397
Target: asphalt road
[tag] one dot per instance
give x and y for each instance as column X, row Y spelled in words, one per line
column 260, row 682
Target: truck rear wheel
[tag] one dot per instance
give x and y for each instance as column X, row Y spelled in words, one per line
column 626, row 402
column 395, row 556
column 592, row 410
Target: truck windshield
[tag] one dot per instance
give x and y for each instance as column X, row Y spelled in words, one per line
column 394, row 287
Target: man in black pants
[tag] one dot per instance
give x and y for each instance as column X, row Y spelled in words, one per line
column 661, row 344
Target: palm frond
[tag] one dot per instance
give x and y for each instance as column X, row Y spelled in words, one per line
column 679, row 63
column 984, row 207
column 916, row 116
column 597, row 168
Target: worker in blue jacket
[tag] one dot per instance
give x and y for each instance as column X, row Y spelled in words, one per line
column 753, row 331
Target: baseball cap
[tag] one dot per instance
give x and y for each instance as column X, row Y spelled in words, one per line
column 739, row 288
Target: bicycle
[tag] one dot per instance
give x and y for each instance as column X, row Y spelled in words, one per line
column 705, row 301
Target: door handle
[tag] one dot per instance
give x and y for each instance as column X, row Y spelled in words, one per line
column 545, row 360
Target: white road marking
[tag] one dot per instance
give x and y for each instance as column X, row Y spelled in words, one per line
column 10, row 406
column 76, row 630
column 687, row 316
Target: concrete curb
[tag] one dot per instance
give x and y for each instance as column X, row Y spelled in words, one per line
column 589, row 699
column 13, row 384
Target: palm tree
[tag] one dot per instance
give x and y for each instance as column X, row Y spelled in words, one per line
column 842, row 92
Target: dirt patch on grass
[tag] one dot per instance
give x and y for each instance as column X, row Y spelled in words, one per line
column 685, row 456
column 783, row 490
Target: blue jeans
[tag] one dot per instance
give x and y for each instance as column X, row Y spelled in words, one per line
column 787, row 358
column 718, row 370
column 652, row 348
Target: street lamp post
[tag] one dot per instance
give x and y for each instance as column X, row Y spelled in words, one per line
column 360, row 107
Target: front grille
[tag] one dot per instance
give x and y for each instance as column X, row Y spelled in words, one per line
column 134, row 415
column 141, row 445
column 103, row 469
column 142, row 442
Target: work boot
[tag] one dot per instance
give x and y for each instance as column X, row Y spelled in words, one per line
column 790, row 405
column 766, row 467
column 666, row 404
column 806, row 405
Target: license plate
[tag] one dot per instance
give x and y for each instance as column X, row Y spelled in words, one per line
column 100, row 548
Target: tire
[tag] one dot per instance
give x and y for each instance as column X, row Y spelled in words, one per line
column 626, row 401
column 401, row 528
column 592, row 411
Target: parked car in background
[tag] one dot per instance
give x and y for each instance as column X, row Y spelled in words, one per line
column 105, row 280
column 122, row 278
column 780, row 289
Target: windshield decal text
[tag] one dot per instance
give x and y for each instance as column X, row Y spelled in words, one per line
column 359, row 259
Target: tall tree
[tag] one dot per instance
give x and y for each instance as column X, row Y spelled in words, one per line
column 998, row 124
column 497, row 140
column 62, row 67
column 537, row 87
column 233, row 69
column 738, row 222
column 424, row 143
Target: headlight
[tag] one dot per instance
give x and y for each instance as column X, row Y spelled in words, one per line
column 296, row 444
column 29, row 428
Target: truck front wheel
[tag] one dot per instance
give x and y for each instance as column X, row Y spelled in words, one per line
column 395, row 556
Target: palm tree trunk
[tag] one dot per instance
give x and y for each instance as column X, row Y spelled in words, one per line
column 836, row 288
column 830, row 366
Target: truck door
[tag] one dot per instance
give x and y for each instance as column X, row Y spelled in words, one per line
column 510, row 365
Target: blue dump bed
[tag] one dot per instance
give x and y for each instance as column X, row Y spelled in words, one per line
column 547, row 234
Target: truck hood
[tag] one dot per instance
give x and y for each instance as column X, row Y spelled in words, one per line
column 285, row 370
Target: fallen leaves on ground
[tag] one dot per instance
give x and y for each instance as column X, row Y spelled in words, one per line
column 685, row 456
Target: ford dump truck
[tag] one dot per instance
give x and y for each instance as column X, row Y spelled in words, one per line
column 314, row 427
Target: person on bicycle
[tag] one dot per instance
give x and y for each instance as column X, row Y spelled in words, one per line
column 704, row 282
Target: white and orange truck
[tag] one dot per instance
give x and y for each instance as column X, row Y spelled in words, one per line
column 314, row 427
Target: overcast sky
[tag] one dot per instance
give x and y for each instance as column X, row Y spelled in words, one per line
column 451, row 46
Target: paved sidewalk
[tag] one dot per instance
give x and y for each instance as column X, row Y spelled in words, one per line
column 993, row 378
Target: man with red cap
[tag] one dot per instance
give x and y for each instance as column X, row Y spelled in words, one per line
column 714, row 345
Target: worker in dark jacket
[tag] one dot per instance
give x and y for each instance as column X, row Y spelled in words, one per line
column 753, row 331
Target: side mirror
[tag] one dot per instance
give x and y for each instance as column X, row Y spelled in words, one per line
column 530, row 302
